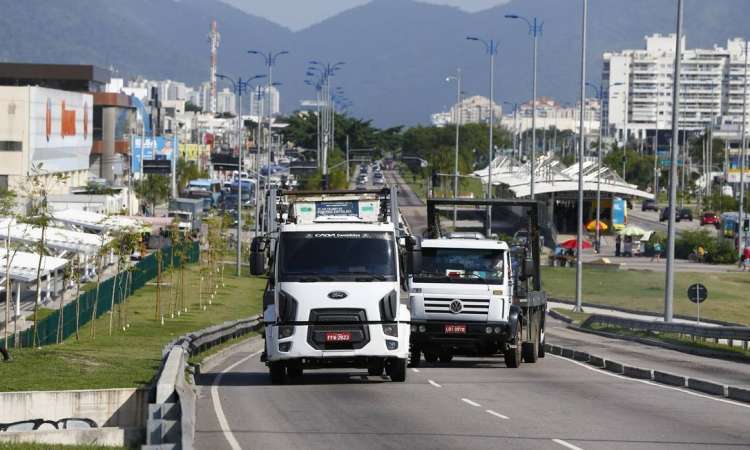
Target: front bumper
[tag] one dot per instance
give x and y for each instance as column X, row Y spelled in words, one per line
column 432, row 333
column 298, row 346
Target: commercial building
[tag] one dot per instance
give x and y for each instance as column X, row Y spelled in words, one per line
column 475, row 109
column 638, row 88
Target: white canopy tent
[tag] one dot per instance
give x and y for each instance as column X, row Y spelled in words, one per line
column 96, row 222
column 59, row 240
column 23, row 270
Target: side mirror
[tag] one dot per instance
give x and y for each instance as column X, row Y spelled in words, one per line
column 257, row 257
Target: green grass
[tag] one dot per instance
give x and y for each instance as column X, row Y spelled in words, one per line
column 644, row 291
column 42, row 314
column 128, row 358
column 35, row 446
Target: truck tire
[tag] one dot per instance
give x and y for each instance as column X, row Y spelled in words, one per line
column 294, row 371
column 431, row 357
column 415, row 356
column 446, row 357
column 512, row 356
column 529, row 351
column 541, row 344
column 277, row 371
column 397, row 370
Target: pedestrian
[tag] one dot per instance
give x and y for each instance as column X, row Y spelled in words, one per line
column 657, row 251
column 618, row 244
column 745, row 258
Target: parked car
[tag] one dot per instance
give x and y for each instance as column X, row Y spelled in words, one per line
column 649, row 205
column 710, row 218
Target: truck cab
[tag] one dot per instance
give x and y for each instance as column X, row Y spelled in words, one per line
column 460, row 298
column 333, row 297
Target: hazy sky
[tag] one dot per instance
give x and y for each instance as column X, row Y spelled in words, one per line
column 297, row 14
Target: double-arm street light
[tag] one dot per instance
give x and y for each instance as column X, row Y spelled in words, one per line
column 239, row 86
column 322, row 73
column 269, row 58
column 600, row 96
column 491, row 47
column 535, row 29
column 581, row 152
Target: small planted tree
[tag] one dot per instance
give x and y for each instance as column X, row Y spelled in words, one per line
column 7, row 210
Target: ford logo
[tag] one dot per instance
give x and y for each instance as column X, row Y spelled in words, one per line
column 337, row 295
column 456, row 306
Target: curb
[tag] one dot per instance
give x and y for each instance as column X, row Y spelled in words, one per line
column 640, row 373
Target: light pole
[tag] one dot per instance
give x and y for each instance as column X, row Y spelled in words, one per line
column 516, row 140
column 741, row 234
column 491, row 48
column 239, row 86
column 535, row 29
column 270, row 60
column 325, row 71
column 669, row 283
column 457, row 120
column 581, row 150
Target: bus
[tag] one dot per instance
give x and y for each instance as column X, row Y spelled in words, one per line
column 730, row 228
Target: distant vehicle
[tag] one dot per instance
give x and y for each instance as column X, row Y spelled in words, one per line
column 727, row 191
column 649, row 205
column 378, row 181
column 710, row 218
column 682, row 214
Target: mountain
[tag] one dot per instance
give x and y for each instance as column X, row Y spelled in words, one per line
column 397, row 52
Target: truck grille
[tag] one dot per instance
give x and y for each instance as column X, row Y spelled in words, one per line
column 468, row 306
column 348, row 320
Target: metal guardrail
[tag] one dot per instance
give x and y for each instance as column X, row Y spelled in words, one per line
column 171, row 418
column 728, row 333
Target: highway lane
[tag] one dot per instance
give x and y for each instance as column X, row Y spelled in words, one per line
column 471, row 404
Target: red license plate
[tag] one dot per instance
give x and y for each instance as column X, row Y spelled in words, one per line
column 455, row 329
column 338, row 336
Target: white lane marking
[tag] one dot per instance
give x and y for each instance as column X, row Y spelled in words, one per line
column 470, row 402
column 223, row 424
column 415, row 370
column 433, row 383
column 566, row 444
column 497, row 414
column 651, row 383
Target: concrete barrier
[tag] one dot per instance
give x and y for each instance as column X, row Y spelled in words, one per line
column 109, row 436
column 613, row 366
column 556, row 350
column 668, row 378
column 707, row 387
column 581, row 356
column 637, row 372
column 567, row 353
column 596, row 361
column 740, row 394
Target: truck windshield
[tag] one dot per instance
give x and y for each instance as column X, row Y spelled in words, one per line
column 460, row 265
column 337, row 256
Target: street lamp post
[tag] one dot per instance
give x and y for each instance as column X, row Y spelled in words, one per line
column 491, row 48
column 581, row 150
column 239, row 86
column 741, row 234
column 535, row 29
column 325, row 71
column 457, row 120
column 669, row 283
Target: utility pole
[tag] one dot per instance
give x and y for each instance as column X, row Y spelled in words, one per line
column 674, row 153
column 347, row 160
column 581, row 145
column 741, row 235
column 457, row 121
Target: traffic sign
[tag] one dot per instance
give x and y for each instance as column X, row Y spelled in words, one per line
column 697, row 293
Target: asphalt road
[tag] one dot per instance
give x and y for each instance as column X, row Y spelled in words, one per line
column 468, row 404
column 471, row 403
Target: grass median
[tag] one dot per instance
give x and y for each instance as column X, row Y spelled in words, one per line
column 130, row 357
column 644, row 291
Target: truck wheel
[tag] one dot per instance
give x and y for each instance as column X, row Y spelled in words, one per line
column 277, row 371
column 415, row 356
column 294, row 371
column 541, row 343
column 446, row 357
column 397, row 370
column 512, row 356
column 529, row 351
column 431, row 357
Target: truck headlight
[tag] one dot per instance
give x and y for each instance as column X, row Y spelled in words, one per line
column 391, row 345
column 390, row 329
column 285, row 346
column 286, row 331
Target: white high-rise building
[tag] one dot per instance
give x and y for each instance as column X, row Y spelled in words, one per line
column 226, row 102
column 638, row 87
column 475, row 109
column 275, row 101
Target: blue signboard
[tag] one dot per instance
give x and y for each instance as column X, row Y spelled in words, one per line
column 618, row 213
column 337, row 208
column 154, row 148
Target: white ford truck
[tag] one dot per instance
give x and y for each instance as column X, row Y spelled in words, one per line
column 333, row 296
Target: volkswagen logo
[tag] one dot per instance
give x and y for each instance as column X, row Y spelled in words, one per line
column 456, row 306
column 337, row 295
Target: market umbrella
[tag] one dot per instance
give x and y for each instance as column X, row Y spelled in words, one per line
column 572, row 244
column 591, row 226
column 632, row 230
